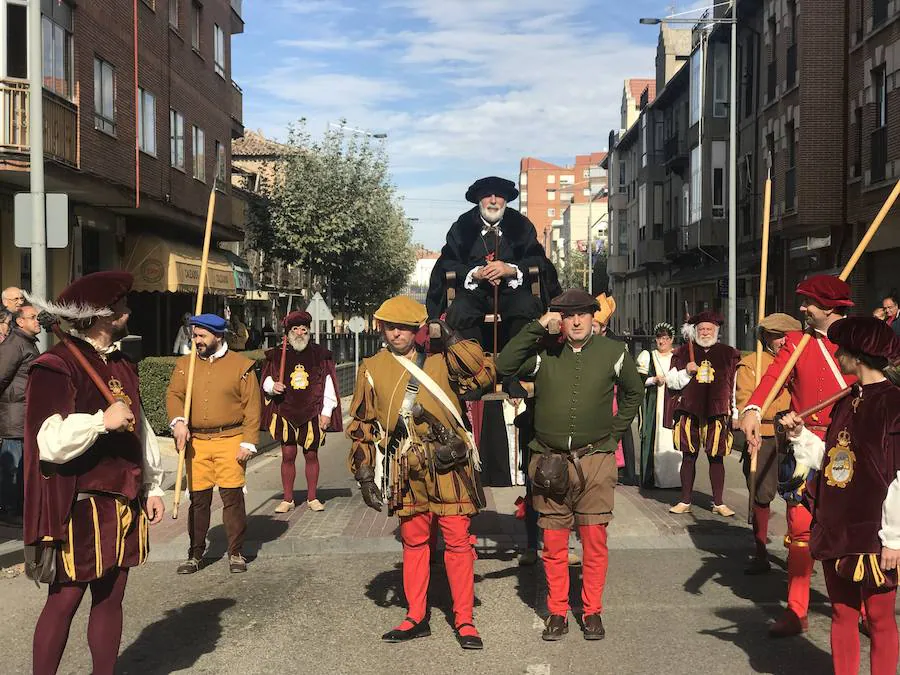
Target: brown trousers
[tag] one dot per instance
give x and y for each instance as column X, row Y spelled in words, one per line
column 592, row 505
column 234, row 517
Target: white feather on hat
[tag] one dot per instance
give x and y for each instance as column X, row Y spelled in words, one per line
column 689, row 332
column 70, row 311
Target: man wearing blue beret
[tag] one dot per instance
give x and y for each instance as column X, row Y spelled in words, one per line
column 219, row 438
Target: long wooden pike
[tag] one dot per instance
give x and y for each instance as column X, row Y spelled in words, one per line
column 284, row 344
column 848, row 268
column 760, row 315
column 198, row 309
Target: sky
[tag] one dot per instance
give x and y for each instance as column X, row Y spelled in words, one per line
column 462, row 88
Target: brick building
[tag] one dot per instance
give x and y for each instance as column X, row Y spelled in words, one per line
column 135, row 146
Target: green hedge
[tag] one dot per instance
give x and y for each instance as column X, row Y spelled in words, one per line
column 155, row 372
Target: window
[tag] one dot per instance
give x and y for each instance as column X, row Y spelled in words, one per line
column 104, row 96
column 551, row 212
column 658, row 210
column 523, row 197
column 220, row 165
column 16, row 41
column 792, row 14
column 720, row 80
column 56, row 38
column 696, row 84
column 174, row 6
column 219, row 35
column 749, row 54
column 879, row 81
column 551, row 195
column 196, row 16
column 567, row 179
column 696, row 211
column 199, row 147
column 147, row 121
column 586, row 173
column 586, row 192
column 642, row 213
column 719, row 162
column 790, row 175
column 524, row 210
column 622, row 181
column 857, row 150
column 686, row 200
column 622, row 242
column 551, row 179
column 565, row 196
column 644, row 140
column 176, row 139
column 523, row 179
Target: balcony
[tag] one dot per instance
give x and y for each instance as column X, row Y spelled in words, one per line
column 675, row 153
column 878, row 166
column 237, row 110
column 60, row 123
column 617, row 265
column 790, row 189
column 879, row 12
column 651, row 252
column 791, row 66
column 670, row 243
column 237, row 17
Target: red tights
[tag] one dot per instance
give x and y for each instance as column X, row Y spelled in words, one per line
column 104, row 625
column 847, row 599
column 593, row 569
column 799, row 560
column 289, row 471
column 459, row 561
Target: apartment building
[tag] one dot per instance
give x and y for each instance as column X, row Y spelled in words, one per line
column 136, row 146
column 547, row 189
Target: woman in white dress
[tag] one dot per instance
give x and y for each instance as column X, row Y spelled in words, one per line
column 660, row 461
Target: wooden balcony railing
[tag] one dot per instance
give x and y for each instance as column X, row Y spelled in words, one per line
column 237, row 103
column 60, row 123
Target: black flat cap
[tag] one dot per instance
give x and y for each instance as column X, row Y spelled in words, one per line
column 491, row 185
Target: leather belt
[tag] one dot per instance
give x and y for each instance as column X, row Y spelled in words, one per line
column 216, row 430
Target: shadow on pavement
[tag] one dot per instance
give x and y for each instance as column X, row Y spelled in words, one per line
column 789, row 656
column 176, row 641
column 260, row 530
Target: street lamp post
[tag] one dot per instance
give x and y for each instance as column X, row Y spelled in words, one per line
column 590, row 252
column 732, row 153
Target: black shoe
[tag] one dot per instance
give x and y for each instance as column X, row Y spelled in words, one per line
column 189, row 566
column 593, row 627
column 556, row 628
column 758, row 566
column 468, row 641
column 418, row 630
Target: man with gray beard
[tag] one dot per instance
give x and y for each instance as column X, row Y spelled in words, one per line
column 298, row 410
column 489, row 246
column 702, row 376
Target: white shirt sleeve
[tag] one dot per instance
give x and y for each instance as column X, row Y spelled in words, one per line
column 330, row 399
column 250, row 447
column 650, row 382
column 643, row 363
column 890, row 516
column 470, row 284
column 809, row 449
column 677, row 379
column 62, row 440
column 268, row 385
column 618, row 367
column 152, row 465
column 515, row 283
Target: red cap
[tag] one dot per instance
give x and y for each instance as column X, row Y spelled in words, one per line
column 826, row 290
column 298, row 318
column 707, row 317
column 866, row 335
column 94, row 292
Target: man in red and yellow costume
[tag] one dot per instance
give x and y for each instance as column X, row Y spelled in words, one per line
column 823, row 300
column 92, row 472
column 298, row 411
column 410, row 448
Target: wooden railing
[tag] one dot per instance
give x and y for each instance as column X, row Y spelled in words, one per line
column 60, row 123
column 237, row 102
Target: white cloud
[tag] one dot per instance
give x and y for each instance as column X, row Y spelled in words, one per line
column 332, row 44
column 315, row 6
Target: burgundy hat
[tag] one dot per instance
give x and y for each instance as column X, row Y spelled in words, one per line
column 866, row 335
column 707, row 317
column 298, row 318
column 90, row 296
column 826, row 290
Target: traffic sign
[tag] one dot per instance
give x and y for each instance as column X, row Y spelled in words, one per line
column 356, row 324
column 56, row 219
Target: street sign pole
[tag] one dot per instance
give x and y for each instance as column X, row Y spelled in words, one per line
column 36, row 142
column 357, row 325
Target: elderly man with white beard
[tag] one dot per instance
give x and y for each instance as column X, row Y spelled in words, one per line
column 488, row 246
column 298, row 410
column 704, row 407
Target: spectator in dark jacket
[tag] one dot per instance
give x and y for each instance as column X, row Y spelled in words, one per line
column 5, row 323
column 16, row 354
column 889, row 304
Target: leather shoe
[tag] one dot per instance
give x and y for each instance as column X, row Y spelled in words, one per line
column 468, row 641
column 556, row 628
column 758, row 566
column 788, row 625
column 418, row 630
column 593, row 627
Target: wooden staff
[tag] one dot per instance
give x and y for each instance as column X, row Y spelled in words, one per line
column 204, row 264
column 821, row 405
column 848, row 268
column 284, row 344
column 687, row 317
column 50, row 323
column 760, row 315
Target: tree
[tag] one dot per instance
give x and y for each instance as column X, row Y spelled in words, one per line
column 333, row 210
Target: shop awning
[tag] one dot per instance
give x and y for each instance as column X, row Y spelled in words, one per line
column 163, row 265
column 243, row 277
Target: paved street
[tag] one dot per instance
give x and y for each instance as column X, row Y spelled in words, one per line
column 324, row 586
